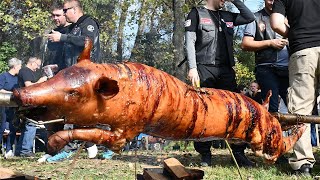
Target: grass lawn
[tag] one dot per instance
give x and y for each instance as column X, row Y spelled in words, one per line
column 128, row 164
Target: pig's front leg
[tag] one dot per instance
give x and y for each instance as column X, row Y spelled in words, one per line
column 114, row 140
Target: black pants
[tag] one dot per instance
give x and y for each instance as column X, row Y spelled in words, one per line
column 275, row 79
column 219, row 77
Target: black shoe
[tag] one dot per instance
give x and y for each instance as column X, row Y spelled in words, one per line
column 305, row 170
column 205, row 160
column 242, row 160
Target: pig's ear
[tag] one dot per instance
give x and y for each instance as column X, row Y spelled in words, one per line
column 106, row 87
column 85, row 54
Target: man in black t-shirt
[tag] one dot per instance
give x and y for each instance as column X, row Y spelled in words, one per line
column 28, row 77
column 54, row 51
column 303, row 31
column 209, row 46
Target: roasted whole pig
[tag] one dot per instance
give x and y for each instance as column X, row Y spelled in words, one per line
column 132, row 98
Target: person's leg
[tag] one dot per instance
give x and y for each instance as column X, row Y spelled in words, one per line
column 303, row 73
column 12, row 134
column 227, row 81
column 28, row 139
column 203, row 148
column 270, row 83
column 2, row 123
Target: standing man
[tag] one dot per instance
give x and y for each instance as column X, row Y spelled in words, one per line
column 302, row 29
column 271, row 56
column 27, row 76
column 209, row 45
column 55, row 54
column 9, row 81
column 82, row 26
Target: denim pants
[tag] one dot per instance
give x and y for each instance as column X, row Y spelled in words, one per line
column 276, row 80
column 25, row 144
column 12, row 135
column 2, row 122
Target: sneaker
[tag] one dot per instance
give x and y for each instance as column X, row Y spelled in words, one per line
column 8, row 154
column 60, row 156
column 6, row 131
column 107, row 154
column 44, row 158
column 92, row 151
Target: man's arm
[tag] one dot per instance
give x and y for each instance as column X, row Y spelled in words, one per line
column 88, row 29
column 277, row 19
column 193, row 75
column 42, row 79
column 250, row 44
column 191, row 26
column 245, row 16
column 278, row 24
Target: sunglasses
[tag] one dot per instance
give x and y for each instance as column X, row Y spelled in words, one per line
column 66, row 9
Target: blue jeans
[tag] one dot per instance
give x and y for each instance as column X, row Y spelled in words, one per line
column 7, row 115
column 12, row 134
column 276, row 80
column 2, row 122
column 313, row 135
column 25, row 144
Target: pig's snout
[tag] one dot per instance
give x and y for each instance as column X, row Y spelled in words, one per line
column 17, row 96
column 23, row 98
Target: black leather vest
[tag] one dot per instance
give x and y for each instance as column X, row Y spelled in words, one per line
column 268, row 55
column 207, row 37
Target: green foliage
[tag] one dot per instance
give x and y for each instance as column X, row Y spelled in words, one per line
column 243, row 75
column 7, row 51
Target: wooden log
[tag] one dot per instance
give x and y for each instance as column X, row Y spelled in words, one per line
column 154, row 174
column 176, row 169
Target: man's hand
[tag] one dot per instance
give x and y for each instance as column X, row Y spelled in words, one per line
column 194, row 77
column 278, row 43
column 54, row 36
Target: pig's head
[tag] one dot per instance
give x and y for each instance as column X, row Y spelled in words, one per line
column 75, row 93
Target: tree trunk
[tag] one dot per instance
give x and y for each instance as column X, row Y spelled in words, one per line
column 178, row 40
column 122, row 23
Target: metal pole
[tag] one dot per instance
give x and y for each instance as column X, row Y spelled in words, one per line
column 6, row 99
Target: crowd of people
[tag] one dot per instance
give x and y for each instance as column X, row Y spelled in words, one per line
column 286, row 62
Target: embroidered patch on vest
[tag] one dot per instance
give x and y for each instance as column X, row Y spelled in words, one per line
column 229, row 24
column 90, row 28
column 206, row 21
column 187, row 23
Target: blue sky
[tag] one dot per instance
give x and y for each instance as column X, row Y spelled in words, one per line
column 253, row 5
